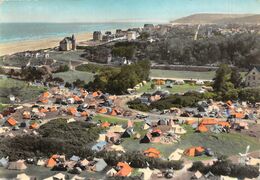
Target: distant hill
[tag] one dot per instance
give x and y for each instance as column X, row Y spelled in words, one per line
column 219, row 19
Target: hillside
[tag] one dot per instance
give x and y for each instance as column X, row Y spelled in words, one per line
column 219, row 18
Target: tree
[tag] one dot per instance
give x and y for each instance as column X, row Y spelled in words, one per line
column 235, row 78
column 152, row 86
column 221, row 78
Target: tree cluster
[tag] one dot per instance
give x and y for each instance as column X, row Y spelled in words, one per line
column 116, row 81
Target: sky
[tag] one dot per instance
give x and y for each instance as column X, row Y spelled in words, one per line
column 117, row 10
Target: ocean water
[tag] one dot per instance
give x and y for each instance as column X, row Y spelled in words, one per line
column 13, row 32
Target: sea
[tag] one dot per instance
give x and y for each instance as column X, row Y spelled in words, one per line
column 13, row 32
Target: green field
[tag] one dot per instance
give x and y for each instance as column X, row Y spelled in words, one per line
column 67, row 55
column 175, row 89
column 219, row 143
column 209, row 75
column 20, row 89
column 71, row 76
column 226, row 144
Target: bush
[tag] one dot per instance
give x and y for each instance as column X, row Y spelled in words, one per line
column 197, row 166
column 227, row 168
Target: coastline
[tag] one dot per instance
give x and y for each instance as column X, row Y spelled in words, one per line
column 9, row 48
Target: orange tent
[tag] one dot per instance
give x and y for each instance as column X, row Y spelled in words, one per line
column 239, row 115
column 43, row 110
column 152, row 152
column 130, row 124
column 223, row 124
column 95, row 94
column 51, row 162
column 190, row 121
column 53, row 109
column 202, row 129
column 11, row 121
column 102, row 111
column 45, row 94
column 125, row 169
column 72, row 110
column 159, row 82
column 208, row 121
column 194, row 151
column 105, row 124
column 84, row 113
column 43, row 100
column 34, row 126
column 76, row 98
column 113, row 113
column 26, row 115
column 229, row 103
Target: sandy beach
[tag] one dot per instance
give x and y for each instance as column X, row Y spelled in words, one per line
column 14, row 47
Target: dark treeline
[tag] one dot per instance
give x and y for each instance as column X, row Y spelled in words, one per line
column 241, row 50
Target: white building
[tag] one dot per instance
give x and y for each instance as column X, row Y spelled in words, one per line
column 131, row 35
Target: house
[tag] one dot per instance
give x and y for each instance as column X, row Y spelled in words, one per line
column 131, row 35
column 97, row 36
column 99, row 146
column 68, row 43
column 98, row 165
column 252, row 78
column 148, row 27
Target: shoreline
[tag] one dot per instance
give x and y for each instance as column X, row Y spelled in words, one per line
column 8, row 48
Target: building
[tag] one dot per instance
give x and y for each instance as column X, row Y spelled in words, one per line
column 68, row 43
column 148, row 27
column 131, row 35
column 97, row 36
column 252, row 78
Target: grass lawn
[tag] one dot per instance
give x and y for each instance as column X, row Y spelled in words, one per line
column 209, row 75
column 67, row 55
column 20, row 89
column 175, row 89
column 71, row 76
column 223, row 143
column 137, row 124
column 2, row 106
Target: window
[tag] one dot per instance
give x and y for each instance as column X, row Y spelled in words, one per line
column 253, row 77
